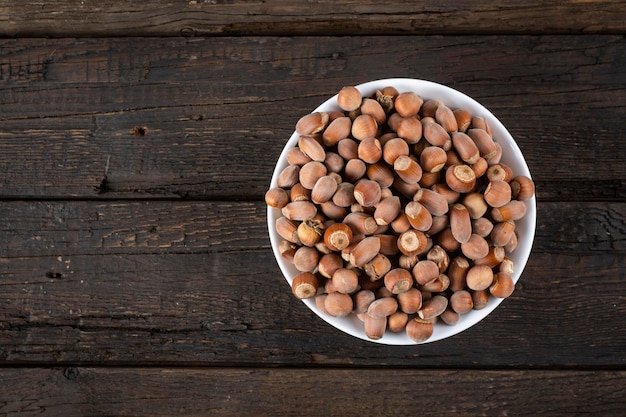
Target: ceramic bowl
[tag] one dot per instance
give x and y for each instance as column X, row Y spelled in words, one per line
column 511, row 155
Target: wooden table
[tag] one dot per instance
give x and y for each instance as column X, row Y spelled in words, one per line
column 137, row 141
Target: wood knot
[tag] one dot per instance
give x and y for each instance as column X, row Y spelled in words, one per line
column 139, row 131
column 71, row 373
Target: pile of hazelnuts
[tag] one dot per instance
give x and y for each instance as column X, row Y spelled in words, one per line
column 399, row 210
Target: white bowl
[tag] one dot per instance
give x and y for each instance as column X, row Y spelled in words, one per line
column 511, row 155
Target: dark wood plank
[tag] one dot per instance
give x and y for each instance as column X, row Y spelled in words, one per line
column 71, row 111
column 86, row 392
column 181, row 283
column 70, row 228
column 347, row 17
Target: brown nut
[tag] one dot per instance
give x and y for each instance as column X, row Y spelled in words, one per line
column 367, row 193
column 484, row 142
column 522, row 187
column 407, row 104
column 377, row 267
column 394, row 148
column 475, row 204
column 338, row 304
column 436, row 135
column 429, row 108
column 500, row 172
column 361, row 223
column 312, row 148
column 493, row 258
column 480, row 299
column 434, row 202
column 408, row 169
column 433, row 307
column 338, row 236
column 479, row 277
column 439, row 285
column 296, row 157
column 412, row 242
column 502, row 286
column 463, row 119
column 433, row 159
column 312, row 123
column 460, row 178
column 419, row 330
column 299, row 210
column 348, row 149
column 513, row 210
column 362, row 300
column 380, row 173
column 310, row 232
column 373, row 108
column 502, row 233
column 324, row 189
column 345, row 281
column 349, row 98
column 328, row 264
column 365, row 251
column 482, row 226
column 387, row 210
column 449, row 194
column 446, row 240
column 398, row 280
column 410, row 129
column 418, row 216
column 396, row 322
column 476, row 247
column 337, row 130
column 445, row 117
column 306, row 259
column 461, row 301
column 410, row 301
column 450, row 317
column 288, row 177
column 465, row 147
column 287, row 229
column 370, row 150
column 440, row 257
column 311, row 172
column 460, row 223
column 299, row 193
column 363, row 127
column 457, row 272
column 425, row 271
column 382, row 307
column 276, row 197
column 305, row 285
column 374, row 327
column 497, row 193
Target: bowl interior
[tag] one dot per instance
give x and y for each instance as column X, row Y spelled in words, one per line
column 511, row 155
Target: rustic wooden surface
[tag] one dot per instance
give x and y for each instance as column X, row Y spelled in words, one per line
column 137, row 141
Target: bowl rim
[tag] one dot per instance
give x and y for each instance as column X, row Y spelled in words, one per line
column 512, row 155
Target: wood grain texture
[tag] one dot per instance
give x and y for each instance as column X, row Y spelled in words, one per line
column 207, row 118
column 194, row 283
column 279, row 17
column 86, row 392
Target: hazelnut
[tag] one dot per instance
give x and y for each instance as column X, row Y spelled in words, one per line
column 288, row 177
column 463, row 119
column 502, row 286
column 480, row 299
column 418, row 216
column 324, row 189
column 312, row 148
column 433, row 307
column 434, row 202
column 382, row 307
column 522, row 187
column 349, row 98
column 479, row 277
column 410, row 301
column 425, row 271
column 433, row 159
column 374, row 327
column 363, row 127
column 365, row 251
column 497, row 193
column 373, row 108
column 345, row 280
column 475, row 248
column 377, row 267
column 465, row 147
column 457, row 272
column 338, row 304
column 304, row 285
column 412, row 242
column 348, row 149
column 354, row 170
column 380, row 173
column 460, row 178
column 513, row 210
column 475, row 204
column 338, row 236
column 287, row 229
column 296, row 157
column 362, row 300
column 310, row 232
column 276, row 197
column 502, row 233
column 312, row 123
column 461, row 301
column 445, row 117
column 370, row 150
column 311, row 172
column 394, row 148
column 460, row 223
column 299, row 210
column 407, row 104
column 410, row 129
column 396, row 322
column 306, row 259
column 484, row 142
column 482, row 226
column 328, row 264
column 398, row 280
column 361, row 223
column 367, row 193
column 436, row 135
column 408, row 169
column 337, row 130
column 419, row 330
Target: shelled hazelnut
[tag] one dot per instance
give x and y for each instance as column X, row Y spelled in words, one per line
column 399, row 210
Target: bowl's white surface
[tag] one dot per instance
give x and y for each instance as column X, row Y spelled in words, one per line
column 511, row 155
